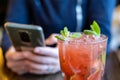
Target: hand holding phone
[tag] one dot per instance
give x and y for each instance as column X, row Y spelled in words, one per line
column 25, row 37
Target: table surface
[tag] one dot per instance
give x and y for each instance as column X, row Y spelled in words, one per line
column 112, row 71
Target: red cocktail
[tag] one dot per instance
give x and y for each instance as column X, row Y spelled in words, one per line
column 83, row 58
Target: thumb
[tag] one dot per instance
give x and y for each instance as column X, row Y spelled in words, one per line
column 51, row 40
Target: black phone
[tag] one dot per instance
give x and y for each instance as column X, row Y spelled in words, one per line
column 25, row 37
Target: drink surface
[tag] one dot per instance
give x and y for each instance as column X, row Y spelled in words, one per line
column 83, row 58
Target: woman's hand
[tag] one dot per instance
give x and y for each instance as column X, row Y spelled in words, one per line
column 43, row 60
column 16, row 61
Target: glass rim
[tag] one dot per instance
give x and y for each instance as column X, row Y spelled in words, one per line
column 91, row 42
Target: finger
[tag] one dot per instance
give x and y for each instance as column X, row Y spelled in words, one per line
column 51, row 40
column 20, row 70
column 32, row 65
column 42, row 59
column 15, row 56
column 49, row 70
column 18, row 67
column 43, row 69
column 47, row 51
column 34, row 71
column 17, row 64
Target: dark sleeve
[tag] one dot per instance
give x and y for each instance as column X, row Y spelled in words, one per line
column 5, row 42
column 17, row 12
column 101, row 11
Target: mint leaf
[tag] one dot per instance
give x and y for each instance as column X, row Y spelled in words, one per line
column 62, row 33
column 90, row 32
column 76, row 35
column 60, row 38
column 66, row 32
column 65, row 35
column 95, row 29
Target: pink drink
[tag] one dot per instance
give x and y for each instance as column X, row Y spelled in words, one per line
column 83, row 58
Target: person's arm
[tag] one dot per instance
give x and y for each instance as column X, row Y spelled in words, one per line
column 101, row 11
column 5, row 42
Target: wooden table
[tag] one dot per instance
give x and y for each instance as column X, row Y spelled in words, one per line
column 112, row 71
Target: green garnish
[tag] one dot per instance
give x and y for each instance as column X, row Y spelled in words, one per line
column 65, row 34
column 90, row 32
column 60, row 38
column 76, row 35
column 95, row 29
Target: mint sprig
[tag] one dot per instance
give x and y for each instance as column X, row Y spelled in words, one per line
column 95, row 29
column 65, row 34
column 76, row 35
column 60, row 38
column 90, row 32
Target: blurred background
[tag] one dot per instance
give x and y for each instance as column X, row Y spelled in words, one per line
column 115, row 44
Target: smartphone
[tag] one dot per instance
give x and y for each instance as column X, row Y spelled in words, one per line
column 25, row 37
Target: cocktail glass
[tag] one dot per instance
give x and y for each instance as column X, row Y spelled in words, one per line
column 83, row 58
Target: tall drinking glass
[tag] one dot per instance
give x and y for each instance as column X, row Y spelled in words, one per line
column 83, row 58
